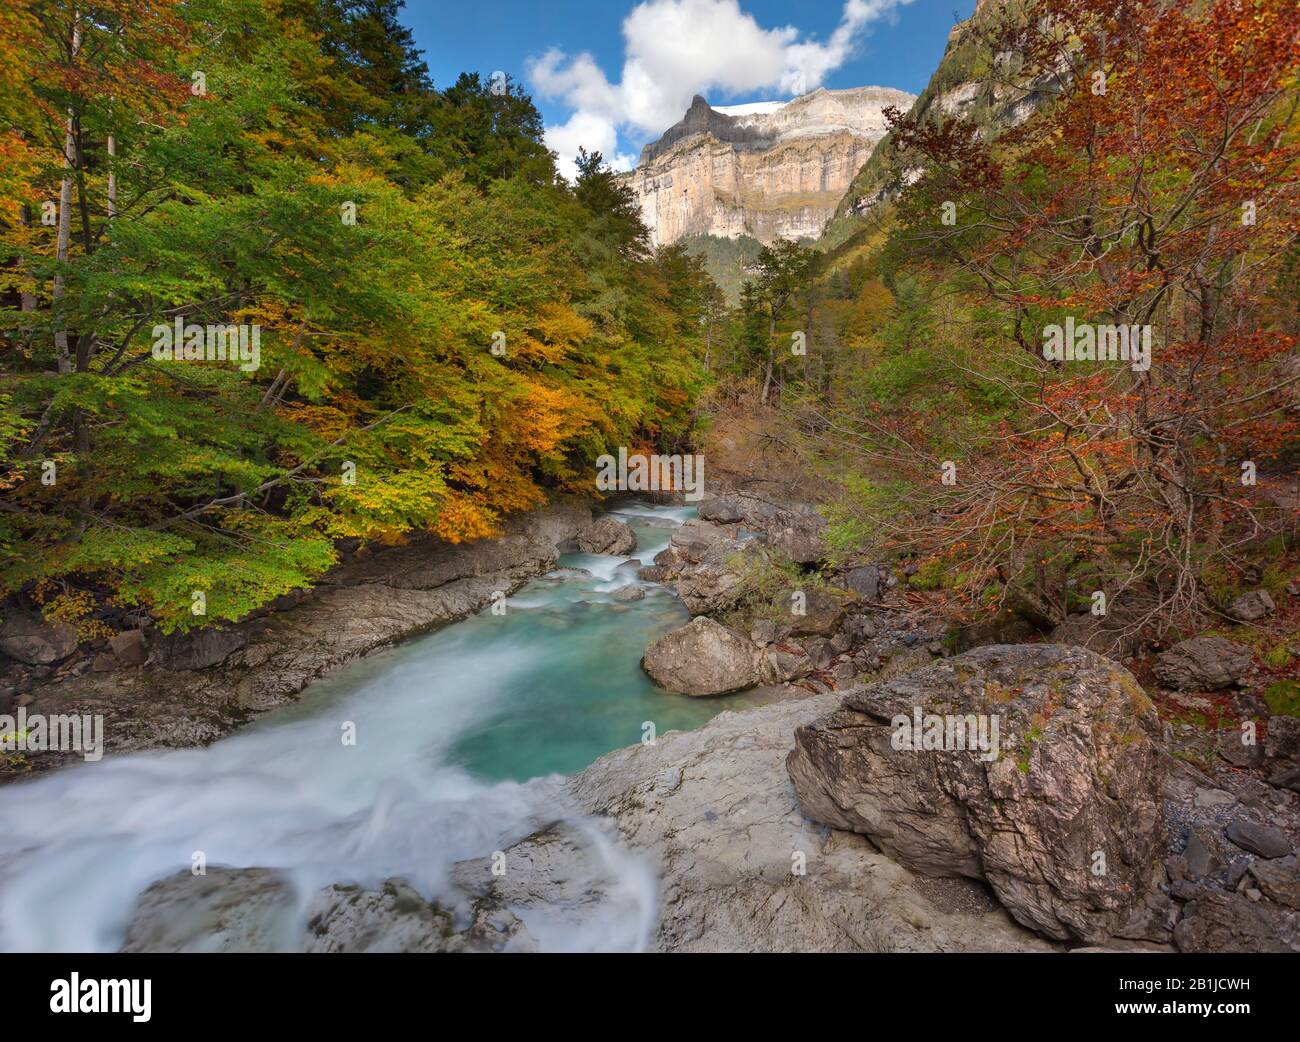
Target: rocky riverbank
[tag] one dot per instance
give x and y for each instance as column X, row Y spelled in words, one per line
column 156, row 691
column 1101, row 819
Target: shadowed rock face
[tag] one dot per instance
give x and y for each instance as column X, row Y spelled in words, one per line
column 770, row 174
column 1062, row 822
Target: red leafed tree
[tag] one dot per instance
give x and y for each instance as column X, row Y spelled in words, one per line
column 1154, row 183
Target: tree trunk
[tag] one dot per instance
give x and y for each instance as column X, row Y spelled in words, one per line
column 64, row 234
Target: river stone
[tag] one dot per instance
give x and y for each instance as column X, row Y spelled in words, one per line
column 256, row 910
column 607, row 535
column 694, row 539
column 33, row 641
column 1203, row 664
column 1110, row 634
column 224, row 910
column 630, row 593
column 1252, row 606
column 712, row 586
column 701, row 658
column 395, row 918
column 1233, row 746
column 1264, row 840
column 1077, row 771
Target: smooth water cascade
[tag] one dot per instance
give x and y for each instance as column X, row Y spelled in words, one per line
column 461, row 740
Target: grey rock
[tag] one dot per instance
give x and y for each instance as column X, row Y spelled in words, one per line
column 762, row 632
column 256, row 910
column 1213, row 798
column 1287, row 779
column 820, row 652
column 201, row 650
column 1252, row 606
column 724, row 843
column 1072, row 725
column 1203, row 663
column 781, row 663
column 800, row 537
column 1283, row 741
column 1279, row 879
column 1234, row 748
column 1200, row 858
column 33, row 641
column 630, row 593
column 1213, row 921
column 864, row 581
column 1264, row 840
column 821, row 616
column 225, row 910
column 607, row 535
column 395, row 918
column 701, row 658
column 720, row 511
column 130, row 648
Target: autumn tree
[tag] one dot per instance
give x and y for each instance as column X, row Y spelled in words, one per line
column 1153, row 188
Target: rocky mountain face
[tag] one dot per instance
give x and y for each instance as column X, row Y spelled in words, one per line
column 766, row 171
column 961, row 87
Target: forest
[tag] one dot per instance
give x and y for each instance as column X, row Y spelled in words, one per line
column 447, row 331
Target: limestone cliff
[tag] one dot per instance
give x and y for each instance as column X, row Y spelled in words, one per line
column 963, row 86
column 767, row 171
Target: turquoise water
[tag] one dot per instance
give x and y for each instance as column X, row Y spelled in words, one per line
column 460, row 739
column 578, row 690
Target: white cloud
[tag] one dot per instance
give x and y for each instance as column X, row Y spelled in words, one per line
column 675, row 49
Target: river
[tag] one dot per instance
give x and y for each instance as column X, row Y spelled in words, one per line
column 462, row 738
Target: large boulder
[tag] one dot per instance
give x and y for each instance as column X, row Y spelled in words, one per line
column 1203, row 664
column 1034, row 768
column 33, row 641
column 737, row 867
column 607, row 535
column 701, row 658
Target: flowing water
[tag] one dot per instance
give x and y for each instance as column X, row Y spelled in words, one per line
column 461, row 737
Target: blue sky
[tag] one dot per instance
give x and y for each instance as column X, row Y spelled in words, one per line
column 613, row 74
